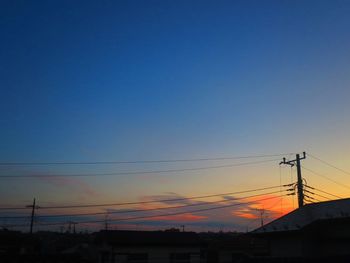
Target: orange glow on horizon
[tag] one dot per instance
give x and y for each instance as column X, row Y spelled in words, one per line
column 183, row 217
column 246, row 215
column 274, row 207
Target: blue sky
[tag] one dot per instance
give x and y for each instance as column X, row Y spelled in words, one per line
column 129, row 80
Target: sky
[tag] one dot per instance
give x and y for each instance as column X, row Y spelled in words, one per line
column 87, row 81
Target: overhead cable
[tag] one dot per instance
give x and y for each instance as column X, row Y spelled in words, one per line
column 147, row 202
column 141, row 161
column 160, row 215
column 311, row 187
column 137, row 172
column 326, row 177
column 142, row 210
column 329, row 164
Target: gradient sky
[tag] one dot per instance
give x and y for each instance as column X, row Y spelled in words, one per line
column 136, row 80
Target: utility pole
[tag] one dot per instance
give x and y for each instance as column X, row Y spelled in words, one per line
column 32, row 215
column 74, row 223
column 106, row 223
column 300, row 187
column 261, row 212
column 70, row 224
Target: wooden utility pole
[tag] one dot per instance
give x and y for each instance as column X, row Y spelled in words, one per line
column 70, row 224
column 300, row 187
column 74, row 223
column 106, row 222
column 32, row 216
column 261, row 212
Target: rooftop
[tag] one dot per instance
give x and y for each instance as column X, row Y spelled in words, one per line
column 307, row 215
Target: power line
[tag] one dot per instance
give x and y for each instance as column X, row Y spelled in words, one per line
column 309, row 199
column 147, row 202
column 193, row 211
column 313, row 198
column 138, row 172
column 317, row 200
column 322, row 196
column 313, row 193
column 336, row 196
column 160, row 215
column 141, row 210
column 326, row 177
column 140, row 161
column 331, row 165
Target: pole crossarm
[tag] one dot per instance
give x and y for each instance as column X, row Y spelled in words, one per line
column 293, row 162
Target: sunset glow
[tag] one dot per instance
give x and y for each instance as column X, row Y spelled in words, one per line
column 162, row 114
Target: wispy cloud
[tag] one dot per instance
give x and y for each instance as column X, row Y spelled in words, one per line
column 237, row 215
